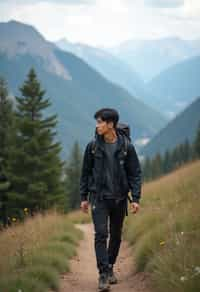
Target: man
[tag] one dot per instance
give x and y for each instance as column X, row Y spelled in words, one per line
column 108, row 176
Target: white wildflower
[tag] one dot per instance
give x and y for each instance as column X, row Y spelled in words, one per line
column 183, row 278
column 197, row 270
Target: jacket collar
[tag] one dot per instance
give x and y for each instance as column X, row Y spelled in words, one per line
column 101, row 142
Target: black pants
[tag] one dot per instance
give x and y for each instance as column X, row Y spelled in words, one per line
column 103, row 212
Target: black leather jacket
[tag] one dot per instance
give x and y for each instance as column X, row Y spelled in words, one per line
column 127, row 171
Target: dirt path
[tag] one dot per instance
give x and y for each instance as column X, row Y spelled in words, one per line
column 84, row 277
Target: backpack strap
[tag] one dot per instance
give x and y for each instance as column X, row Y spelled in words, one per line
column 92, row 151
column 93, row 146
column 126, row 144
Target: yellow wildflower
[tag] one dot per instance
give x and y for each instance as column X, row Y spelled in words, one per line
column 162, row 242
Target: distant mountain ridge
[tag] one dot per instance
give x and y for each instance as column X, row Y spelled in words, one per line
column 150, row 57
column 76, row 90
column 112, row 68
column 183, row 126
column 26, row 40
column 178, row 86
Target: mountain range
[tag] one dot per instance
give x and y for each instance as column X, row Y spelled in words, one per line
column 111, row 67
column 75, row 89
column 169, row 92
column 177, row 86
column 150, row 57
column 183, row 126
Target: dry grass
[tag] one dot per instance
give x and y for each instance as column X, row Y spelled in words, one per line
column 80, row 217
column 46, row 241
column 167, row 228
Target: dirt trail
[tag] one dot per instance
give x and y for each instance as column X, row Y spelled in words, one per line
column 84, row 277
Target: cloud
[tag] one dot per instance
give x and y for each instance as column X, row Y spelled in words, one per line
column 63, row 2
column 105, row 22
column 164, row 3
column 190, row 11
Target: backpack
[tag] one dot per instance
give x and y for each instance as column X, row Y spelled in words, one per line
column 122, row 129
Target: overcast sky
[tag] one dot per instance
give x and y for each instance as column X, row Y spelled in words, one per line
column 106, row 22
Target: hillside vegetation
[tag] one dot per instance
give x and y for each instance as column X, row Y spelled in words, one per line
column 35, row 252
column 166, row 234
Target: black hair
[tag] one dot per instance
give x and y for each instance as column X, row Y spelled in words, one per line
column 108, row 115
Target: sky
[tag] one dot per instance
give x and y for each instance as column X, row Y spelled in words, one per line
column 106, row 23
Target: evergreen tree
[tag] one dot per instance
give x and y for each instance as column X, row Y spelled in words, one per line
column 196, row 144
column 157, row 166
column 6, row 120
column 175, row 157
column 147, row 169
column 181, row 154
column 35, row 168
column 73, row 172
column 6, row 123
column 187, row 151
column 167, row 162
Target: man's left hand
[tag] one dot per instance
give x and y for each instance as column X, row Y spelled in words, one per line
column 134, row 207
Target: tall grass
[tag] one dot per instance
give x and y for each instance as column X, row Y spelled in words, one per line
column 35, row 252
column 165, row 234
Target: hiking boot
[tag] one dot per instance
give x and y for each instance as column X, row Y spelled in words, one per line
column 111, row 276
column 103, row 282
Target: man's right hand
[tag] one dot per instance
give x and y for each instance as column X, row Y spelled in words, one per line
column 84, row 206
column 134, row 207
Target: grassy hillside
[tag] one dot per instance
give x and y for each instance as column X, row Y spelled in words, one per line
column 33, row 254
column 166, row 234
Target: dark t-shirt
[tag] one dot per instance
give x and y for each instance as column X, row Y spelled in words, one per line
column 110, row 148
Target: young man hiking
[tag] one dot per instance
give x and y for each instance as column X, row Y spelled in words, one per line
column 110, row 170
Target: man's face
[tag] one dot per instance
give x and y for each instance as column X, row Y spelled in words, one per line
column 103, row 127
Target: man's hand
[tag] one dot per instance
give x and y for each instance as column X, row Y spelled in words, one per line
column 84, row 206
column 135, row 207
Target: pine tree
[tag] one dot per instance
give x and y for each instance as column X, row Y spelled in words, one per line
column 73, row 172
column 181, row 154
column 6, row 122
column 147, row 169
column 35, row 168
column 175, row 157
column 196, row 144
column 187, row 151
column 166, row 162
column 156, row 165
